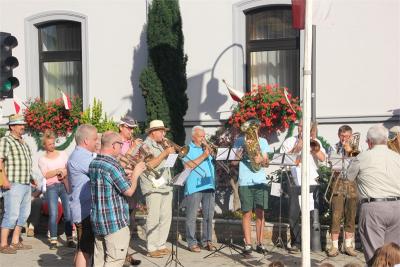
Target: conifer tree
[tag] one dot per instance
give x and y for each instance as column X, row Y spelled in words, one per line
column 168, row 61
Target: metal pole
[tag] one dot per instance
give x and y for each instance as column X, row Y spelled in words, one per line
column 305, row 184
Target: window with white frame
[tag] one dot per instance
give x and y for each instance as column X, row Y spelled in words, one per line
column 272, row 48
column 60, row 58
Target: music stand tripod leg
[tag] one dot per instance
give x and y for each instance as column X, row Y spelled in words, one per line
column 279, row 240
column 173, row 257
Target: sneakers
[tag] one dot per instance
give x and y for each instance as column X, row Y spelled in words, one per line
column 247, row 249
column 261, row 249
column 350, row 251
column 8, row 250
column 53, row 245
column 333, row 252
column 70, row 242
column 293, row 249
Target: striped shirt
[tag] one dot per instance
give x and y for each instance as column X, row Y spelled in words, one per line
column 110, row 210
column 17, row 159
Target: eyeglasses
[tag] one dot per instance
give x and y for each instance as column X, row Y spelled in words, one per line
column 118, row 142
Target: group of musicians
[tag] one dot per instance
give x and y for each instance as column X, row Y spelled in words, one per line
column 253, row 191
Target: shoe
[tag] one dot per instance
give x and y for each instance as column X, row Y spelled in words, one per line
column 53, row 245
column 247, row 249
column 293, row 249
column 350, row 251
column 30, row 233
column 71, row 244
column 8, row 250
column 129, row 260
column 20, row 246
column 333, row 252
column 209, row 246
column 261, row 249
column 195, row 248
column 155, row 254
column 164, row 251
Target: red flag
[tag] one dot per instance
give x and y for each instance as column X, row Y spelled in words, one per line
column 66, row 100
column 298, row 14
column 236, row 95
column 17, row 106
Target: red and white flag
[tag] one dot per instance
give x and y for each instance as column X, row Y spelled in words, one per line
column 18, row 104
column 320, row 12
column 235, row 94
column 66, row 100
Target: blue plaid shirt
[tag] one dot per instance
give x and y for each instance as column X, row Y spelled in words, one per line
column 110, row 210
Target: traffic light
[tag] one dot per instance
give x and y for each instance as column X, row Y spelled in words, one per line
column 8, row 63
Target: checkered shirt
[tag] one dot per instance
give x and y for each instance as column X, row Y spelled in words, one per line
column 110, row 210
column 17, row 159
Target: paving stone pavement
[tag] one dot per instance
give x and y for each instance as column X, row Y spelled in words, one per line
column 40, row 255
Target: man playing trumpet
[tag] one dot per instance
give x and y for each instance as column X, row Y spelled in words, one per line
column 344, row 199
column 158, row 195
column 199, row 188
column 294, row 145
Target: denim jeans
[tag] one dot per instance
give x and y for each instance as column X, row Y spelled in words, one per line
column 54, row 192
column 17, row 205
column 207, row 200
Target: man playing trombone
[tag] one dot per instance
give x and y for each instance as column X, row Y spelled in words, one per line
column 199, row 188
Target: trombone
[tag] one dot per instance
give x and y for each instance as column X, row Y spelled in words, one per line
column 214, row 152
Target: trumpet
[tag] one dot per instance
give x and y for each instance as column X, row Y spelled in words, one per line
column 181, row 150
column 129, row 162
column 214, row 152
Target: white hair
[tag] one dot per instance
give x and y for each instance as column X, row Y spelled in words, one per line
column 83, row 132
column 197, row 128
column 377, row 135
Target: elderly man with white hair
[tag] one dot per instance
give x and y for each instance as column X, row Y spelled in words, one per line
column 377, row 174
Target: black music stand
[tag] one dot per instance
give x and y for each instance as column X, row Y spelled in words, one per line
column 283, row 160
column 231, row 154
column 178, row 181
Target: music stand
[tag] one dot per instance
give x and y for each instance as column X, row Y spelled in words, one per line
column 283, row 160
column 178, row 181
column 229, row 154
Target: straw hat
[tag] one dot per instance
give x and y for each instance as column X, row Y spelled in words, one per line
column 156, row 125
column 16, row 119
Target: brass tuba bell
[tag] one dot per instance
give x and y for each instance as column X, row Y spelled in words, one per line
column 251, row 144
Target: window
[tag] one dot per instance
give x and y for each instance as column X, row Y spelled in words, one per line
column 60, row 59
column 272, row 52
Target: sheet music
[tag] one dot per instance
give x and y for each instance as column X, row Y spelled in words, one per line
column 234, row 153
column 276, row 189
column 310, row 203
column 296, row 174
column 181, row 178
column 290, row 159
column 339, row 163
column 222, row 153
column 170, row 162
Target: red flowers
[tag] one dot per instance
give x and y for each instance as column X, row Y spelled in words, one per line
column 268, row 104
column 52, row 115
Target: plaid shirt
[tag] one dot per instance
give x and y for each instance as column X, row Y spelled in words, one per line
column 110, row 210
column 17, row 159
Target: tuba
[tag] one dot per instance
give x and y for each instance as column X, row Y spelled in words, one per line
column 394, row 144
column 251, row 144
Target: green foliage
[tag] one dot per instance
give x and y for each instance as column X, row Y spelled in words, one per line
column 167, row 59
column 3, row 132
column 94, row 115
column 156, row 103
